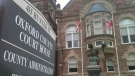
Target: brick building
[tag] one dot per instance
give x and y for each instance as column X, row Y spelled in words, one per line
column 118, row 58
column 49, row 9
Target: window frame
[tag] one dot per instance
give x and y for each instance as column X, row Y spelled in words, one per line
column 70, row 63
column 107, row 19
column 99, row 45
column 127, row 28
column 87, row 45
column 130, row 60
column 112, row 65
column 108, row 44
column 100, row 20
column 72, row 38
column 88, row 32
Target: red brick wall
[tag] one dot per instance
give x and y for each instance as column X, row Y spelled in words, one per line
column 72, row 12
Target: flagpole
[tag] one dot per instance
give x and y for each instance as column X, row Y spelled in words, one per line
column 80, row 31
column 116, row 46
column 81, row 48
column 81, row 52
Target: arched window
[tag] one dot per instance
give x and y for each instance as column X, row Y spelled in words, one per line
column 72, row 37
column 110, row 65
column 108, row 30
column 127, row 30
column 72, row 65
column 98, row 29
column 131, row 61
column 88, row 28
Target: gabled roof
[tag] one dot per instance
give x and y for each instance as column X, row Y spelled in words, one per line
column 97, row 8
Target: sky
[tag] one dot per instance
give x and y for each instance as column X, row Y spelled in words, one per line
column 62, row 3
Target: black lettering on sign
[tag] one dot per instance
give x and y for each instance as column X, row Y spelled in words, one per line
column 29, row 10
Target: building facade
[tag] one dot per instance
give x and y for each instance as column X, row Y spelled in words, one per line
column 117, row 58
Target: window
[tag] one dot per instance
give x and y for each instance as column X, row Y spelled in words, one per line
column 39, row 7
column 99, row 43
column 131, row 61
column 109, row 43
column 72, row 68
column 88, row 44
column 88, row 28
column 72, row 37
column 110, row 65
column 109, row 30
column 127, row 30
column 98, row 29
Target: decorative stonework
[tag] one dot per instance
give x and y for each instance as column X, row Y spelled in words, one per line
column 68, row 24
column 129, row 15
column 86, row 8
column 72, row 54
column 101, row 56
column 111, row 58
column 130, row 49
column 101, row 14
column 95, row 38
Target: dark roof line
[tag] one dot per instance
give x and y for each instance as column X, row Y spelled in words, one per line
column 98, row 7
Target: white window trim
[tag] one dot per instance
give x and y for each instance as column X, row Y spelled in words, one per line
column 94, row 27
column 107, row 67
column 88, row 24
column 111, row 30
column 87, row 44
column 127, row 27
column 131, row 70
column 127, row 66
column 72, row 63
column 72, row 72
column 109, row 27
column 109, row 45
column 66, row 44
column 99, row 45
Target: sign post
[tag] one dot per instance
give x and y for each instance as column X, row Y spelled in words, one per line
column 27, row 41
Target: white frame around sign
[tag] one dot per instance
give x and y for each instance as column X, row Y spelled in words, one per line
column 24, row 3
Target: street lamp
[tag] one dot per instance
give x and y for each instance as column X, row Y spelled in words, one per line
column 103, row 46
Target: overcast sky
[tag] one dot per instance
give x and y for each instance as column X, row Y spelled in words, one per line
column 62, row 3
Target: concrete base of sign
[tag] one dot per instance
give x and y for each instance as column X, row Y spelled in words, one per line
column 93, row 70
